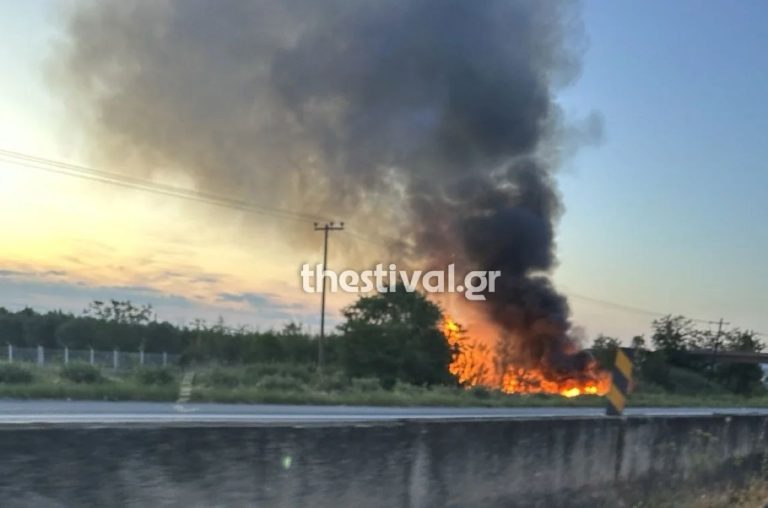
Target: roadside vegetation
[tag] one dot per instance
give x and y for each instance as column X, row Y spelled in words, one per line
column 389, row 350
column 291, row 384
column 669, row 370
column 83, row 381
column 750, row 492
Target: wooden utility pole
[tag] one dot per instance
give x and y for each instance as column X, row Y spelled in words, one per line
column 325, row 228
column 716, row 345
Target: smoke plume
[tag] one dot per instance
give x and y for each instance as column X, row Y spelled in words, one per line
column 433, row 121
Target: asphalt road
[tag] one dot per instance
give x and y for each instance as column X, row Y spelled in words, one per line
column 53, row 412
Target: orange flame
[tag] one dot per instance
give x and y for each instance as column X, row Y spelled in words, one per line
column 473, row 364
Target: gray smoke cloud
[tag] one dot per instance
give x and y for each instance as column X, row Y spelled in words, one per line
column 431, row 120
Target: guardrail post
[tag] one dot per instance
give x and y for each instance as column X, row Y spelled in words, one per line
column 91, row 359
column 165, row 359
column 10, row 353
column 141, row 356
column 66, row 355
column 115, row 359
column 40, row 356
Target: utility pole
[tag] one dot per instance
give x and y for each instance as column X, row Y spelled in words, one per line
column 325, row 228
column 716, row 345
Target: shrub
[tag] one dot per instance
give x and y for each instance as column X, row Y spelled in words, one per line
column 480, row 392
column 223, row 378
column 15, row 374
column 159, row 376
column 409, row 389
column 331, row 381
column 304, row 372
column 740, row 378
column 279, row 382
column 81, row 373
column 366, row 384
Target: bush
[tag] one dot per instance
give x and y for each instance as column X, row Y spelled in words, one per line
column 408, row 389
column 81, row 373
column 480, row 392
column 159, row 376
column 740, row 378
column 304, row 372
column 223, row 378
column 279, row 382
column 331, row 381
column 15, row 374
column 366, row 384
column 655, row 369
column 690, row 382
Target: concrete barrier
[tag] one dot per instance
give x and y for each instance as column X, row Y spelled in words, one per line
column 489, row 463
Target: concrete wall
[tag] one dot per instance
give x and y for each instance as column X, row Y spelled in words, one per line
column 526, row 462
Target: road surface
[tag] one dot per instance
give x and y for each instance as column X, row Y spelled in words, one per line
column 53, row 412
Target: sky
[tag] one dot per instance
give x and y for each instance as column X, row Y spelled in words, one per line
column 665, row 214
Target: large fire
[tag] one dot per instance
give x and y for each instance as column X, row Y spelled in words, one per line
column 474, row 365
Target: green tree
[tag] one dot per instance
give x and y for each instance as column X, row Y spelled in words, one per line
column 673, row 334
column 604, row 350
column 123, row 312
column 741, row 378
column 395, row 336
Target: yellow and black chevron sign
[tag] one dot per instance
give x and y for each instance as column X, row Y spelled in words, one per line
column 621, row 381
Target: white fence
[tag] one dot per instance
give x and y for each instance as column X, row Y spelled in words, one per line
column 110, row 359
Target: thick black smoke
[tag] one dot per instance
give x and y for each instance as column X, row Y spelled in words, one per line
column 430, row 119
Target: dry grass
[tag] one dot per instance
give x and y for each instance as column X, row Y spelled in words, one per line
column 753, row 494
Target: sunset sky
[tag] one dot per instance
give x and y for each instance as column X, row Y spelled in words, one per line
column 666, row 214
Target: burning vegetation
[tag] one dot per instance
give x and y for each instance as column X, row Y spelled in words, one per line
column 434, row 123
column 475, row 364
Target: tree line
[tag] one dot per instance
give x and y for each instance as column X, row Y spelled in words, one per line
column 395, row 336
column 669, row 366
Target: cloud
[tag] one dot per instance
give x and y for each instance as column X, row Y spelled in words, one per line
column 265, row 304
column 192, row 278
column 37, row 290
column 255, row 299
column 12, row 273
column 32, row 273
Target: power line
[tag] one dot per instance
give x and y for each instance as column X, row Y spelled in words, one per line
column 632, row 309
column 125, row 181
column 92, row 174
column 385, row 241
column 117, row 179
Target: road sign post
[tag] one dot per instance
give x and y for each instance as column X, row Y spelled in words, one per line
column 621, row 382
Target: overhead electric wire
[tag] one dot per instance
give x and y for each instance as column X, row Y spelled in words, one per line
column 638, row 310
column 118, row 179
column 618, row 306
column 630, row 308
column 383, row 240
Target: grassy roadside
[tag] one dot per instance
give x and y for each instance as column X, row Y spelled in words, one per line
column 104, row 391
column 458, row 398
column 292, row 384
column 441, row 397
column 83, row 382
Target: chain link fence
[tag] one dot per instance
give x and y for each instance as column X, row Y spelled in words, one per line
column 108, row 359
